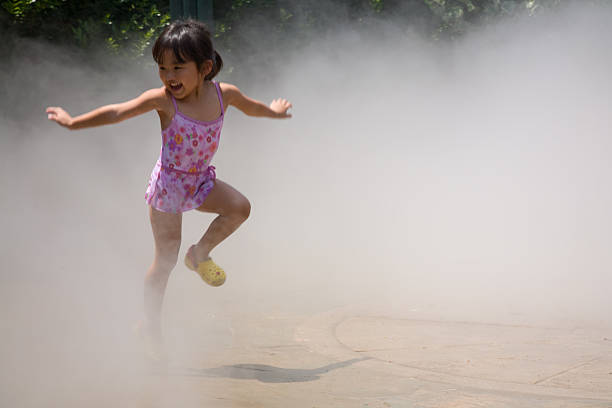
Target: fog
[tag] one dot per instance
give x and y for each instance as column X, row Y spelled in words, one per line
column 466, row 181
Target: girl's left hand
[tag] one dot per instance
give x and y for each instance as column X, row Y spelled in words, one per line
column 60, row 116
column 281, row 106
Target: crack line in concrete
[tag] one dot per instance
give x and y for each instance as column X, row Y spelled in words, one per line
column 565, row 371
column 334, row 333
column 458, row 322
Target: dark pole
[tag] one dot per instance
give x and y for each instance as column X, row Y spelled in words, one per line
column 201, row 10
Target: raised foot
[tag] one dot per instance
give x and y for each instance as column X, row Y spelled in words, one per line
column 209, row 271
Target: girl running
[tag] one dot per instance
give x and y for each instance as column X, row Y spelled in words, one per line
column 191, row 109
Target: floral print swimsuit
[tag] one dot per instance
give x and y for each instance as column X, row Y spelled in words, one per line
column 183, row 176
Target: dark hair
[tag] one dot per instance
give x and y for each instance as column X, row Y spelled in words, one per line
column 190, row 40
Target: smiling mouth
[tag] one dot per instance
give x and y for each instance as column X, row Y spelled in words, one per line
column 175, row 87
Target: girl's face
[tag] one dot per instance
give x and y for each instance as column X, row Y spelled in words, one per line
column 181, row 79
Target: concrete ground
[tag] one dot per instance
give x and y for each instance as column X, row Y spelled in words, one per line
column 341, row 357
column 349, row 357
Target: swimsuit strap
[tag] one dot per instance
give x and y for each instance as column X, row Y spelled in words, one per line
column 220, row 97
column 174, row 103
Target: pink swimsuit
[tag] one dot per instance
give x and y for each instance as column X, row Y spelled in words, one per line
column 183, row 176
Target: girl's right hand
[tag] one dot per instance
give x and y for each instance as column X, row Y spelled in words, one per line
column 280, row 106
column 60, row 116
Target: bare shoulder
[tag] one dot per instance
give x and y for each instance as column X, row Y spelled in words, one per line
column 160, row 99
column 229, row 92
column 228, row 87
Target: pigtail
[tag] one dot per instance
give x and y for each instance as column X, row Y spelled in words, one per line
column 217, row 65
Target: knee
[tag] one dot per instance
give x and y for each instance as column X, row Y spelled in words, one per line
column 243, row 209
column 239, row 210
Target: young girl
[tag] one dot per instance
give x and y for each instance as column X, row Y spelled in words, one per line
column 191, row 109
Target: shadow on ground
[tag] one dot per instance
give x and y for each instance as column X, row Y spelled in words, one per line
column 270, row 374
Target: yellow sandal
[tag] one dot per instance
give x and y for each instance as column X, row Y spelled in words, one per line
column 209, row 271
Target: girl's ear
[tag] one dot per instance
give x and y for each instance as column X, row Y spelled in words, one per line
column 207, row 67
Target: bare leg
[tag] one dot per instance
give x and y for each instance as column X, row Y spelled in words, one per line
column 233, row 209
column 167, row 235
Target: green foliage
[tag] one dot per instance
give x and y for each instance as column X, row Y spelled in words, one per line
column 125, row 27
column 458, row 16
column 377, row 5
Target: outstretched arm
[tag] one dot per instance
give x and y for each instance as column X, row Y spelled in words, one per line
column 277, row 109
column 149, row 100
